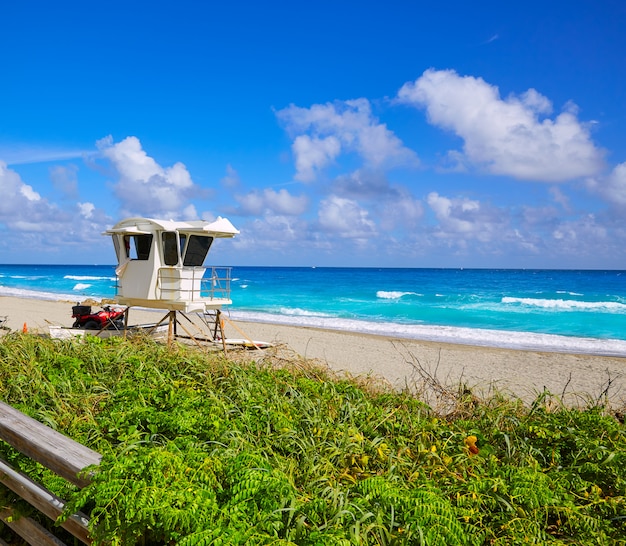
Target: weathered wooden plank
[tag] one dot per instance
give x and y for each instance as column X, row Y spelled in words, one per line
column 52, row 449
column 44, row 501
column 31, row 531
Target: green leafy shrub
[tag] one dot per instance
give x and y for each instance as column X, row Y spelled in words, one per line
column 200, row 449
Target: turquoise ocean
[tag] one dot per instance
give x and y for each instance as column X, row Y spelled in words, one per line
column 552, row 310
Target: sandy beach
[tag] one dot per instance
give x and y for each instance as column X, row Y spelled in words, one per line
column 398, row 362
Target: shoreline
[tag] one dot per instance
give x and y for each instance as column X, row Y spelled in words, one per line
column 456, row 335
column 409, row 363
column 399, row 362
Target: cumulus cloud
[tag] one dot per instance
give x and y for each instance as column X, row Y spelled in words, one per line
column 404, row 212
column 42, row 227
column 363, row 184
column 613, row 187
column 267, row 237
column 313, row 154
column 587, row 236
column 506, row 136
column 20, row 203
column 464, row 218
column 346, row 219
column 146, row 188
column 269, row 201
column 393, row 206
column 323, row 131
column 86, row 209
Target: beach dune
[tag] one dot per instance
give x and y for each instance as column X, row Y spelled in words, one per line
column 402, row 363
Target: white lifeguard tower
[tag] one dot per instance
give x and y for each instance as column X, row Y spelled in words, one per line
column 161, row 266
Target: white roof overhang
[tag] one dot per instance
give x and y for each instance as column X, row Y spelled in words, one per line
column 221, row 227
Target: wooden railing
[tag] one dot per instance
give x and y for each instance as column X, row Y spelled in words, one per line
column 63, row 456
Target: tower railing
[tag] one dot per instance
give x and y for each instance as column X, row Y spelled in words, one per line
column 193, row 283
column 217, row 285
column 196, row 283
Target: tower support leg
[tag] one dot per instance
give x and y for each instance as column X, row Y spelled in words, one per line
column 171, row 329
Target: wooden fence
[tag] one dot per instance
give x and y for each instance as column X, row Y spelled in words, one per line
column 63, row 456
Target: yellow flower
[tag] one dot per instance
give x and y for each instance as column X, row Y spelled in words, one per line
column 470, row 442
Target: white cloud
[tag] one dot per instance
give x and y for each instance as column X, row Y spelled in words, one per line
column 363, row 184
column 282, row 202
column 404, row 213
column 146, row 188
column 86, row 209
column 30, row 194
column 560, row 198
column 613, row 187
column 19, row 200
column 462, row 219
column 345, row 218
column 40, row 228
column 268, row 201
column 507, row 136
column 251, row 204
column 587, row 237
column 453, row 213
column 393, row 206
column 313, row 154
column 323, row 131
column 231, row 180
column 189, row 212
column 273, row 233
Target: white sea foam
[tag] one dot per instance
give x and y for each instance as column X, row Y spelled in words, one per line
column 296, row 312
column 81, row 286
column 88, row 278
column 573, row 305
column 394, row 294
column 448, row 334
column 39, row 295
column 569, row 293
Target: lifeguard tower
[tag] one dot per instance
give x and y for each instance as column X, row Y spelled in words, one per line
column 161, row 266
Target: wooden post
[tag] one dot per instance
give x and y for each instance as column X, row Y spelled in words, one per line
column 126, row 313
column 220, row 323
column 170, row 327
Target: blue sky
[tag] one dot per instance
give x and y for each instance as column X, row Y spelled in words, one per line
column 408, row 134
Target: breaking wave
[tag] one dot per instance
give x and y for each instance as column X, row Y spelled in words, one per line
column 394, row 295
column 297, row 312
column 569, row 305
column 88, row 278
column 81, row 286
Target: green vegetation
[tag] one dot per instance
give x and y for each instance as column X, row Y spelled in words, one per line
column 200, row 449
